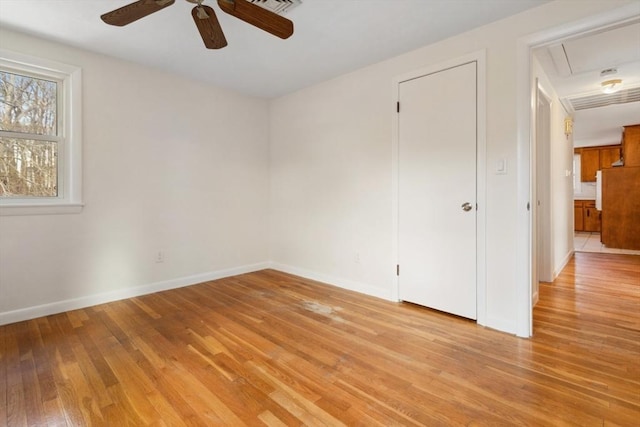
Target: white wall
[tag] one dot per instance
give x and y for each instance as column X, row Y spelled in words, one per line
column 170, row 165
column 330, row 175
column 561, row 189
column 331, row 182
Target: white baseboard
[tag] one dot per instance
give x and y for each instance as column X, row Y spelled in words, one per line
column 501, row 325
column 91, row 300
column 563, row 264
column 102, row 298
column 335, row 281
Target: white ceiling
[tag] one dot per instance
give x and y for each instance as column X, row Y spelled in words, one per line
column 574, row 66
column 332, row 37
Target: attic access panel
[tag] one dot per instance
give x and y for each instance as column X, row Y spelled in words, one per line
column 277, row 6
column 598, row 51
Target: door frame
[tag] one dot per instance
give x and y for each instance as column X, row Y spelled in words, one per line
column 526, row 183
column 481, row 101
column 543, row 223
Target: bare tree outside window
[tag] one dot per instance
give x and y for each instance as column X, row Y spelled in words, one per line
column 28, row 116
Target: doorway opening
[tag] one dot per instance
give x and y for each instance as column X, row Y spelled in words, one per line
column 534, row 226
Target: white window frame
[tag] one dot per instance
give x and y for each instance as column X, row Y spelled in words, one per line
column 69, row 139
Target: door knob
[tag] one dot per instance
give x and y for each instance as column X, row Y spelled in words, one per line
column 466, row 207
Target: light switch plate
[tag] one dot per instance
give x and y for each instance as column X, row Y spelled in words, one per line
column 501, row 166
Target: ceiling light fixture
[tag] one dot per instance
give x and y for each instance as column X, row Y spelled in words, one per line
column 611, row 86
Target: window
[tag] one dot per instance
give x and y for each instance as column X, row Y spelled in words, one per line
column 40, row 136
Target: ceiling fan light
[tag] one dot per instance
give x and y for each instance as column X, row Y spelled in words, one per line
column 611, row 86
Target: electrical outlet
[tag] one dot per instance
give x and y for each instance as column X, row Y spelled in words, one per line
column 159, row 257
column 356, row 258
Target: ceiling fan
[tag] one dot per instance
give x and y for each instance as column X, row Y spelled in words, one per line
column 205, row 18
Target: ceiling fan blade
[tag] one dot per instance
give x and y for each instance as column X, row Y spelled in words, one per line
column 134, row 11
column 209, row 27
column 258, row 17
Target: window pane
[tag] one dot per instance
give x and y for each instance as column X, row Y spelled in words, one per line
column 28, row 168
column 28, row 104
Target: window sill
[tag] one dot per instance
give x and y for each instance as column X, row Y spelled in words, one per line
column 41, row 209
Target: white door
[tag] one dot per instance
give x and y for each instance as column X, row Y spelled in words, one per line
column 437, row 190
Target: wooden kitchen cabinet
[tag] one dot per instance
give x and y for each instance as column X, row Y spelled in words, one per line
column 578, row 215
column 591, row 217
column 631, row 145
column 608, row 155
column 593, row 159
column 589, row 164
column 586, row 216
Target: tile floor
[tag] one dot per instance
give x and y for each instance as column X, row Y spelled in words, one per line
column 590, row 242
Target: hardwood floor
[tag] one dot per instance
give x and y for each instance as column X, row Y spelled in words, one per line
column 272, row 349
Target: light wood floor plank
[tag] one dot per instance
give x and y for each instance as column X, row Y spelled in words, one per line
column 271, row 349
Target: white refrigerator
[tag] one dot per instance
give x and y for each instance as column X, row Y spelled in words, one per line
column 599, row 190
